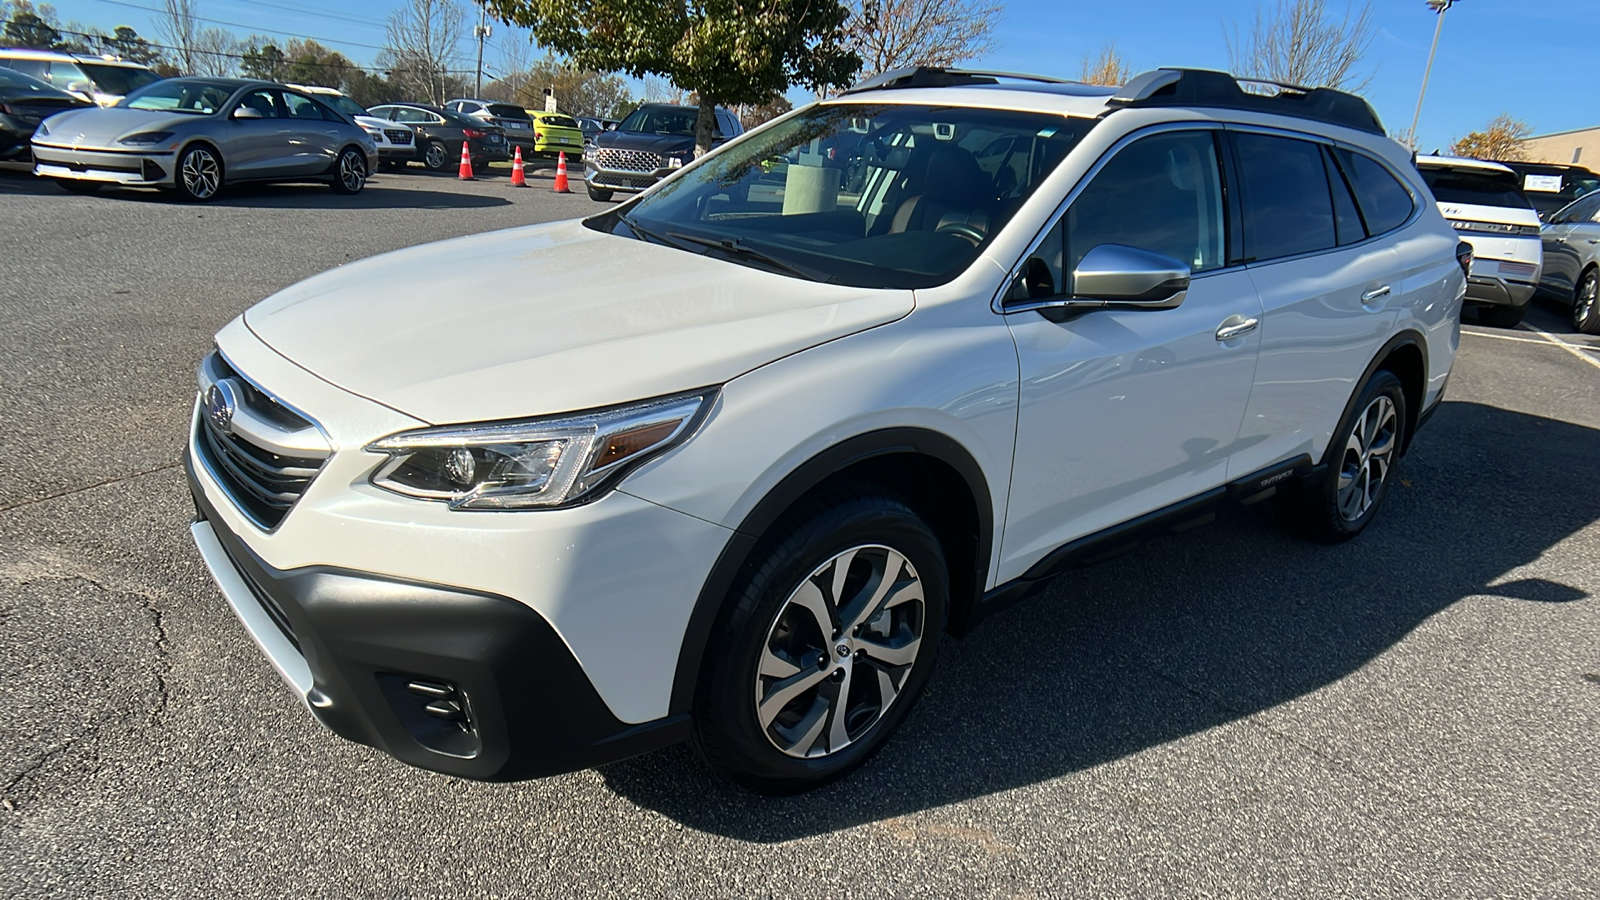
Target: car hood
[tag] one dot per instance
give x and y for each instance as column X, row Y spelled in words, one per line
column 547, row 319
column 375, row 122
column 101, row 127
column 664, row 144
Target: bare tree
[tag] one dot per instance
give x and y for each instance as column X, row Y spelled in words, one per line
column 178, row 26
column 1501, row 140
column 1300, row 42
column 421, row 48
column 215, row 53
column 1108, row 68
column 894, row 34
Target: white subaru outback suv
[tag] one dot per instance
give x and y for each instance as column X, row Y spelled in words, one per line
column 839, row 387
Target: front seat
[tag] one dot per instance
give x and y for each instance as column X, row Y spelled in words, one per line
column 953, row 189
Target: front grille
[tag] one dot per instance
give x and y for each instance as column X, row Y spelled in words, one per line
column 397, row 136
column 264, row 482
column 626, row 160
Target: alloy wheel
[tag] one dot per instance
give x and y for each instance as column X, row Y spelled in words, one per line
column 1368, row 454
column 839, row 652
column 436, row 156
column 352, row 171
column 201, row 174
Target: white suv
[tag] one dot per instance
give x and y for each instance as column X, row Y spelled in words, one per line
column 763, row 433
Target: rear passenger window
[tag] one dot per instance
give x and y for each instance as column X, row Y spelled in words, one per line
column 1288, row 209
column 1346, row 218
column 1385, row 203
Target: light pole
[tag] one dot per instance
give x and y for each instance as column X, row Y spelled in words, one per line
column 1439, row 7
column 481, row 32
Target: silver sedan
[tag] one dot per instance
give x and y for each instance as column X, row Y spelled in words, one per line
column 196, row 135
column 1572, row 259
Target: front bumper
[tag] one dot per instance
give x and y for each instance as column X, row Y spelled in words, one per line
column 621, row 181
column 136, row 169
column 368, row 654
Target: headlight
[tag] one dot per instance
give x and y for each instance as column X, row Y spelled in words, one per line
column 538, row 463
column 374, row 133
column 146, row 139
column 43, row 129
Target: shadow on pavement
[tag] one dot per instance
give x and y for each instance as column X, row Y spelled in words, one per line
column 1188, row 633
column 384, row 191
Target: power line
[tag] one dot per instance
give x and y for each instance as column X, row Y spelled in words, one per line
column 307, row 37
column 105, row 38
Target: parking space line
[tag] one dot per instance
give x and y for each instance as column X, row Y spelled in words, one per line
column 1506, row 337
column 1574, row 349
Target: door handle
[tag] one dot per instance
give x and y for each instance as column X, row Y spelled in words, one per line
column 1236, row 326
column 1594, row 240
column 1374, row 294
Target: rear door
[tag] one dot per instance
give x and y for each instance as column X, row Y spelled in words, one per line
column 1565, row 240
column 315, row 137
column 1328, row 292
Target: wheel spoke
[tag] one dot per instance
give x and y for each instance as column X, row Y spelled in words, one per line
column 786, row 690
column 841, row 572
column 902, row 652
column 887, row 690
column 809, row 597
column 803, row 736
column 838, row 727
column 775, row 666
column 877, row 595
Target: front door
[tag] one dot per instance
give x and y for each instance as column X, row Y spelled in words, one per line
column 1124, row 412
column 257, row 147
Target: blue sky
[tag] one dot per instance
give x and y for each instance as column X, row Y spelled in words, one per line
column 1531, row 58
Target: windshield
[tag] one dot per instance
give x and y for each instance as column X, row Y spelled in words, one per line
column 118, row 79
column 342, row 104
column 661, row 120
column 1485, row 188
column 181, row 95
column 869, row 195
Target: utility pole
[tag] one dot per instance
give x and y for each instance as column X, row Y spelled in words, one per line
column 481, row 33
column 1438, row 6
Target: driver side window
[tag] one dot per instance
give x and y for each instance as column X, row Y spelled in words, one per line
column 1162, row 193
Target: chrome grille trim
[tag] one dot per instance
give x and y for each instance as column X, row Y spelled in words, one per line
column 626, row 160
column 397, row 136
column 268, row 457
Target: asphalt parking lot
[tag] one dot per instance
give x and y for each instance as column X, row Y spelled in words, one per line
column 1229, row 712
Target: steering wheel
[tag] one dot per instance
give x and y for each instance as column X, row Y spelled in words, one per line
column 962, row 229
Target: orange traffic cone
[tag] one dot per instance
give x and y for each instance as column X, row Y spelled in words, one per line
column 466, row 164
column 517, row 178
column 561, row 175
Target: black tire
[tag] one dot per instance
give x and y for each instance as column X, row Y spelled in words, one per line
column 760, row 625
column 1332, row 511
column 78, row 186
column 349, row 172
column 1501, row 316
column 436, row 157
column 1586, row 303
column 599, row 194
column 200, row 173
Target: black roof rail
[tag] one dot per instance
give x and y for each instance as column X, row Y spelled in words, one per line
column 938, row 76
column 1220, row 90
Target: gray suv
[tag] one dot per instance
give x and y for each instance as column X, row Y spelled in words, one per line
column 650, row 143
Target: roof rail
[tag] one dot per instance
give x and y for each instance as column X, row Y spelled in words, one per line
column 1220, row 90
column 938, row 76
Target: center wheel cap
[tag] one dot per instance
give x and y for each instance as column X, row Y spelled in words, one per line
column 843, row 650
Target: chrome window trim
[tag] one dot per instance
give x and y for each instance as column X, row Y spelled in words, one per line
column 997, row 302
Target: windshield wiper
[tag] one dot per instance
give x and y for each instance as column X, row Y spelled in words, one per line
column 735, row 247
column 642, row 231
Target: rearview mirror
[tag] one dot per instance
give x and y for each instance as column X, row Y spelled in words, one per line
column 245, row 112
column 1111, row 276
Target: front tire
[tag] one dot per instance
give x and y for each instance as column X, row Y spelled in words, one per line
column 1360, row 466
column 825, row 645
column 350, row 172
column 1585, row 304
column 199, row 173
column 599, row 194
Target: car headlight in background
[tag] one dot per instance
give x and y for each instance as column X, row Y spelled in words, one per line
column 145, row 138
column 43, row 129
column 538, row 463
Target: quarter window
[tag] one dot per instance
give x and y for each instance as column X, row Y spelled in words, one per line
column 1385, row 203
column 1346, row 218
column 1287, row 206
column 302, row 107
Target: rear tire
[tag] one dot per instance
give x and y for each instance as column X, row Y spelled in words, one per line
column 825, row 644
column 1586, row 304
column 1359, row 467
column 1501, row 316
column 435, row 157
column 599, row 194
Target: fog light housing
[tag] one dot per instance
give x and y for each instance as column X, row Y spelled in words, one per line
column 436, row 712
column 151, row 171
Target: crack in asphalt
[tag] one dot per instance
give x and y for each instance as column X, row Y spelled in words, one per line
column 88, row 487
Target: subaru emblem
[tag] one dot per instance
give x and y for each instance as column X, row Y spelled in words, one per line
column 220, row 403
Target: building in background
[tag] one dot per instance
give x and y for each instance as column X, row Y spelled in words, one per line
column 1580, row 147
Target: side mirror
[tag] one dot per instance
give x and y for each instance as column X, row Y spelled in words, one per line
column 80, row 87
column 717, row 135
column 245, row 112
column 612, row 127
column 1111, row 276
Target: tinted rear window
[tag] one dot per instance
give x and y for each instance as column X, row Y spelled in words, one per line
column 1483, row 188
column 118, row 79
column 560, row 122
column 507, row 111
column 1287, row 207
column 1384, row 201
